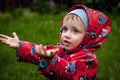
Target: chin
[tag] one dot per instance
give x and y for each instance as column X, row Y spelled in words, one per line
column 69, row 48
column 72, row 49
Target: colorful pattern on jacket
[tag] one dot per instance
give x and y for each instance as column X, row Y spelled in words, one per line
column 80, row 64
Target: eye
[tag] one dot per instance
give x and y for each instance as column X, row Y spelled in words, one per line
column 75, row 30
column 64, row 29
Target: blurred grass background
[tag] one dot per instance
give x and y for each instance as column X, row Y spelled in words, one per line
column 37, row 28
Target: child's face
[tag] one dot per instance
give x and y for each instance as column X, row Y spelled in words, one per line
column 73, row 31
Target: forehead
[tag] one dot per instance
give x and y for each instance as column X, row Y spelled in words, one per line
column 73, row 20
column 71, row 17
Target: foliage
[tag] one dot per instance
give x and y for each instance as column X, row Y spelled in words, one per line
column 44, row 29
column 44, row 6
column 40, row 6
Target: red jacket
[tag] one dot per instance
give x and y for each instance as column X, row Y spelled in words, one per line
column 80, row 64
column 64, row 65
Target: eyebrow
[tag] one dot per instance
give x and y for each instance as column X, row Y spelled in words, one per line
column 74, row 27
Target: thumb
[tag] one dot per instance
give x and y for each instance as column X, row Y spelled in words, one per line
column 53, row 52
column 15, row 35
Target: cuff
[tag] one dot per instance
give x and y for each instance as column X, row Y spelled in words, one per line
column 42, row 64
column 33, row 50
column 20, row 43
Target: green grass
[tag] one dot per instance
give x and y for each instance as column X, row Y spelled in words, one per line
column 109, row 54
column 44, row 29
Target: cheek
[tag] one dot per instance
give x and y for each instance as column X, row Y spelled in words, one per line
column 78, row 40
column 61, row 37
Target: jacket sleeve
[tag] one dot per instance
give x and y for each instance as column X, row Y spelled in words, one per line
column 26, row 53
column 56, row 69
column 76, row 68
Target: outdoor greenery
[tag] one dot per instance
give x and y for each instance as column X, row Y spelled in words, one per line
column 44, row 29
column 54, row 6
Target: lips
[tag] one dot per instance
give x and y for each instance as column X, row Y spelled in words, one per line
column 66, row 43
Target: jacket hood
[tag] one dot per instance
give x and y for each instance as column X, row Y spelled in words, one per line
column 97, row 30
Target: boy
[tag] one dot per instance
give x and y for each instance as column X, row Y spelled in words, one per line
column 82, row 31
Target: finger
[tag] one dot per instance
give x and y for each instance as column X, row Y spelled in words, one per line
column 2, row 40
column 4, row 36
column 15, row 35
column 56, row 51
column 45, row 50
column 53, row 52
column 40, row 49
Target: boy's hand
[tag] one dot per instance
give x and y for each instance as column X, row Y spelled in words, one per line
column 44, row 53
column 13, row 42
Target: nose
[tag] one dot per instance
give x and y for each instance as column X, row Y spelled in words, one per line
column 67, row 34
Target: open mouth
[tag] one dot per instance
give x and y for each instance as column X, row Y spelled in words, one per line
column 66, row 43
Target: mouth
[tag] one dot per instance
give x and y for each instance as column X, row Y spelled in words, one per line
column 66, row 43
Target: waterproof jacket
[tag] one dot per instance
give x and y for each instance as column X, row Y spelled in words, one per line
column 79, row 64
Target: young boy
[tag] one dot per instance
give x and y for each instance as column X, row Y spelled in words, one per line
column 82, row 31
